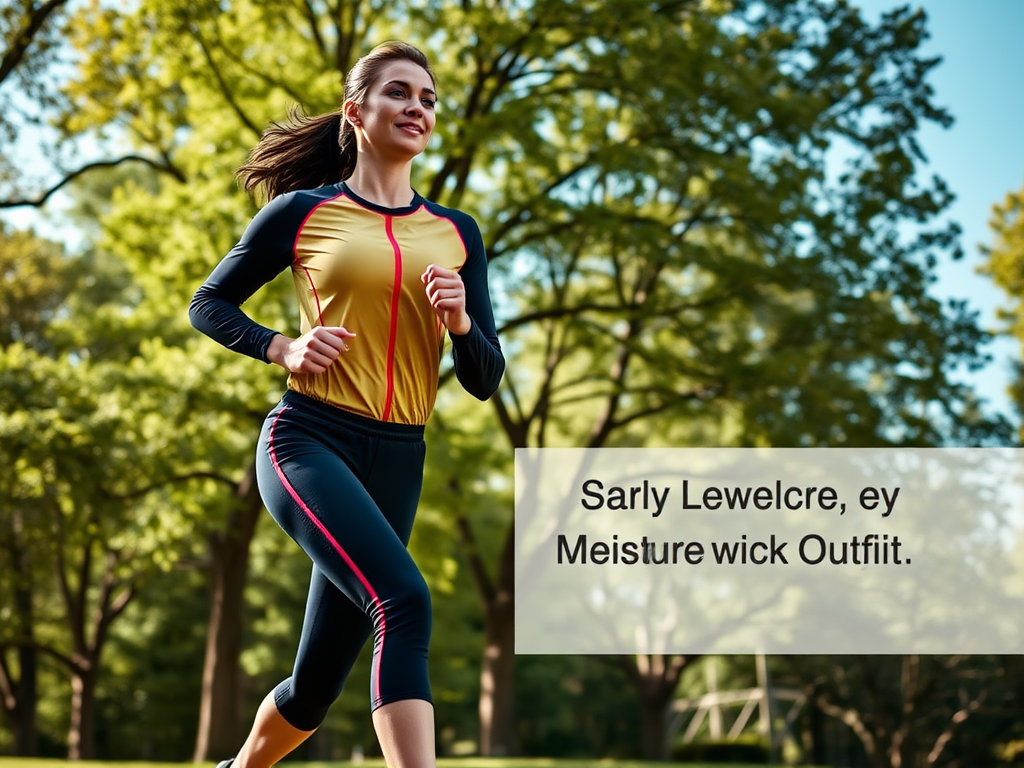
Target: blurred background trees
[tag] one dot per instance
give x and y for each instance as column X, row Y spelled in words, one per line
column 707, row 224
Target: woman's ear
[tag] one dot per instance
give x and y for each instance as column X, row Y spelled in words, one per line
column 351, row 112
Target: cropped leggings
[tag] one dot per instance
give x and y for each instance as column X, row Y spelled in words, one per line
column 345, row 488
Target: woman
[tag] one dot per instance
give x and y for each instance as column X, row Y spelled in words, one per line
column 380, row 274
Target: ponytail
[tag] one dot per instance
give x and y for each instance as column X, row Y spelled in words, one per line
column 302, row 153
column 310, row 152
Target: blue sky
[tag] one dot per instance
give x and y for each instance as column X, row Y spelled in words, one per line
column 981, row 156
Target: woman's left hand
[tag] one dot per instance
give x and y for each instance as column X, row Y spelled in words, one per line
column 447, row 295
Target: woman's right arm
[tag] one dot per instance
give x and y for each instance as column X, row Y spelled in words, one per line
column 263, row 252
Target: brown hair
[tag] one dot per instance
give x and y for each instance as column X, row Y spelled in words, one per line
column 303, row 153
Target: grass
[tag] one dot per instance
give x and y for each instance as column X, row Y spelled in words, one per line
column 452, row 762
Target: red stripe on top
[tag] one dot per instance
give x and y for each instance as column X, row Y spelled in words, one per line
column 295, row 252
column 319, row 312
column 298, row 233
column 396, row 292
column 375, row 690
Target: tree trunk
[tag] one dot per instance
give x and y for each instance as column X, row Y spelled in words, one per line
column 655, row 678
column 814, row 733
column 654, row 711
column 497, row 604
column 497, row 690
column 82, row 734
column 24, row 693
column 23, row 716
column 18, row 697
column 220, row 731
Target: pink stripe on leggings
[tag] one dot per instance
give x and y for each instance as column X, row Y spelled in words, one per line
column 375, row 691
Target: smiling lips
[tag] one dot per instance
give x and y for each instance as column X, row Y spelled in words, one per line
column 412, row 128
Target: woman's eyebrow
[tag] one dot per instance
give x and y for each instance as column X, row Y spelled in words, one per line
column 407, row 86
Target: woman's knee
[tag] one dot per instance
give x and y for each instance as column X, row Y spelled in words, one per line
column 407, row 603
column 304, row 706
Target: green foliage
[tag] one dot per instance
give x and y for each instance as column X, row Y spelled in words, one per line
column 1005, row 265
column 675, row 260
column 577, row 708
column 681, row 249
column 36, row 277
column 147, row 696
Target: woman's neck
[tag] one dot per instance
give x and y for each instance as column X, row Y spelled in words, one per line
column 384, row 185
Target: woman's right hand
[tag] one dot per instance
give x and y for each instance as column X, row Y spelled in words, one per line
column 312, row 352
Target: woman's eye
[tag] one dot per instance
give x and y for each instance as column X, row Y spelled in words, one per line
column 429, row 103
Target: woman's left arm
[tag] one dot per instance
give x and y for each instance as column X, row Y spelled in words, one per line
column 479, row 363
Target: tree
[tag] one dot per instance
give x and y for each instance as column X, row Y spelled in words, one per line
column 36, row 279
column 655, row 678
column 71, row 430
column 88, row 416
column 681, row 254
column 1005, row 265
column 672, row 251
column 18, row 681
column 30, row 36
column 909, row 710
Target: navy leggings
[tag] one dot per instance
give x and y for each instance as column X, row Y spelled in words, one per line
column 345, row 488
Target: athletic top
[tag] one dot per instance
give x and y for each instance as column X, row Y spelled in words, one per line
column 358, row 265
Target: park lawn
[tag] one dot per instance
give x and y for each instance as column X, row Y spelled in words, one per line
column 453, row 762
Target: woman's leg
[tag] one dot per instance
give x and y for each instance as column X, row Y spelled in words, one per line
column 369, row 580
column 271, row 738
column 334, row 631
column 405, row 730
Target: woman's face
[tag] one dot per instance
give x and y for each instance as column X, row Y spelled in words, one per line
column 397, row 113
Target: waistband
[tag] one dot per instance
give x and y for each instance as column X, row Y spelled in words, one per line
column 331, row 415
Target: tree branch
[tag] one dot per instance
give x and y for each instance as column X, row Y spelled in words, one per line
column 111, row 611
column 879, row 709
column 314, row 28
column 77, row 615
column 223, row 86
column 529, row 205
column 6, row 684
column 471, row 549
column 604, row 425
column 24, row 37
column 555, row 313
column 947, row 733
column 257, row 72
column 705, row 393
column 31, row 642
column 515, row 430
column 119, row 603
column 345, row 44
column 41, row 200
column 852, row 719
column 681, row 662
column 62, row 578
column 107, row 585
